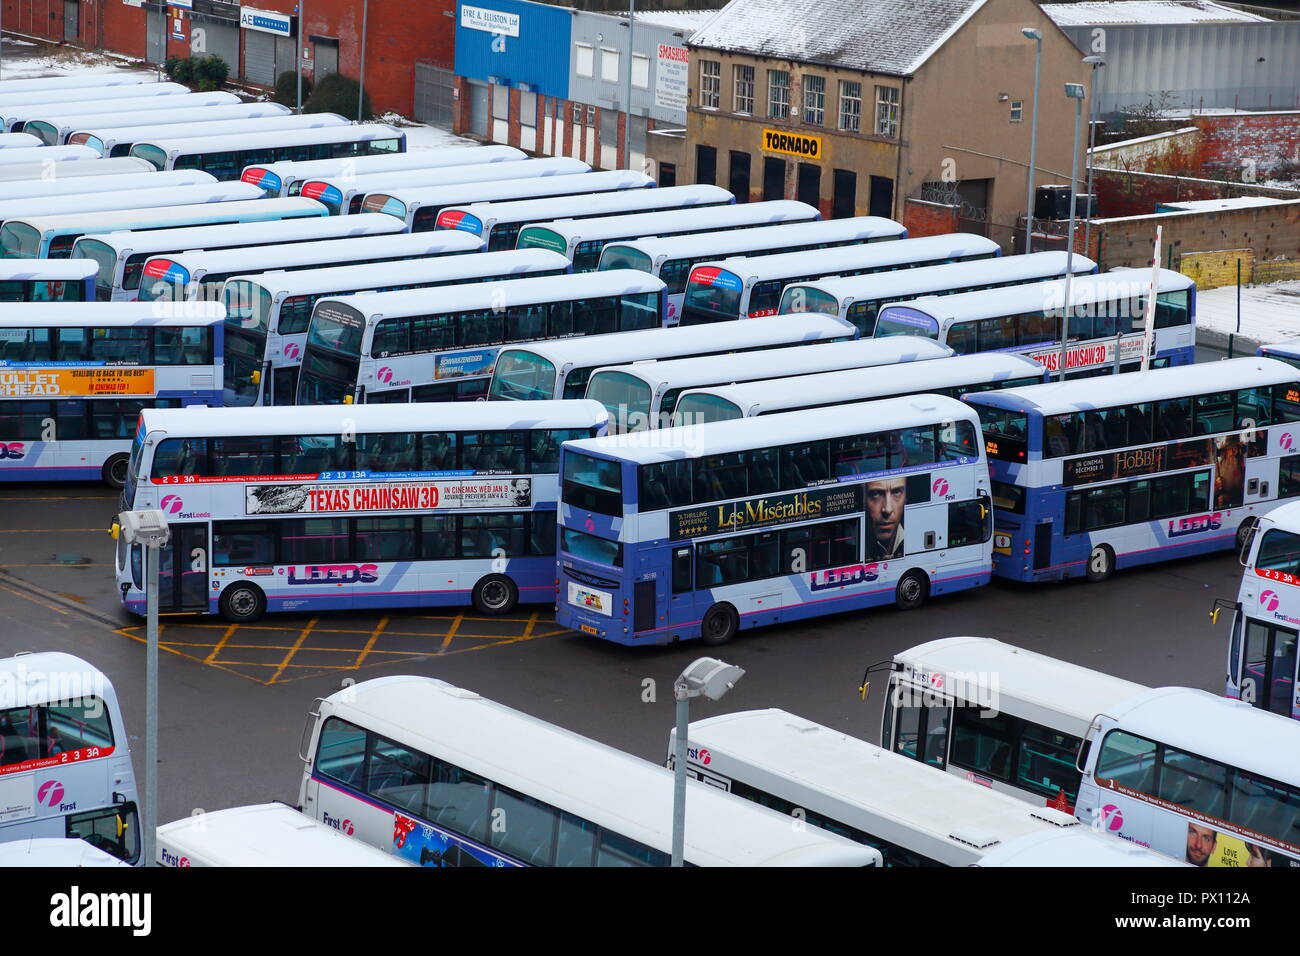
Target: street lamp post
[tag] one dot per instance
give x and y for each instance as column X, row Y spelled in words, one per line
column 627, row 126
column 1075, row 92
column 361, row 84
column 297, row 54
column 1094, row 62
column 1037, row 37
column 707, row 677
column 148, row 529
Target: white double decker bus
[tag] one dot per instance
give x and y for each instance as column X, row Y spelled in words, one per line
column 324, row 508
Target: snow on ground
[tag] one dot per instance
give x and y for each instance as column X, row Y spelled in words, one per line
column 419, row 136
column 25, row 66
column 1268, row 313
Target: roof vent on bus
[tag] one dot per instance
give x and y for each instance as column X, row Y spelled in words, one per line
column 1056, row 818
column 803, row 727
column 460, row 692
column 979, row 839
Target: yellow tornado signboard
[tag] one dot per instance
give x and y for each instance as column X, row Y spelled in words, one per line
column 74, row 382
column 792, row 144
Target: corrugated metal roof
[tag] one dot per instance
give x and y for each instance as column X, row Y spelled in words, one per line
column 885, row 36
column 1114, row 12
column 684, row 20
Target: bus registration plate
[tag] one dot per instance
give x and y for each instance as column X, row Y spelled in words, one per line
column 586, row 629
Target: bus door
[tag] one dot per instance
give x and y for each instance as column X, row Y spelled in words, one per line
column 681, row 605
column 183, row 570
column 1268, row 667
column 919, row 718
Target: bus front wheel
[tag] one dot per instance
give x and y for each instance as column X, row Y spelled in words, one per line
column 114, row 472
column 719, row 625
column 913, row 589
column 495, row 594
column 1243, row 532
column 242, row 603
column 1101, row 563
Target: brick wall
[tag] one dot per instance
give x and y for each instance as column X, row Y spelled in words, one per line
column 35, row 18
column 1257, row 142
column 1137, row 193
column 124, row 30
column 1269, row 232
column 922, row 218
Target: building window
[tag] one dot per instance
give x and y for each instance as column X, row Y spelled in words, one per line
column 591, row 116
column 850, row 106
column 1017, row 110
column 608, row 65
column 640, row 71
column 778, row 94
column 577, row 114
column 743, row 77
column 710, row 84
column 667, row 174
column 586, row 59
column 814, row 100
column 887, row 111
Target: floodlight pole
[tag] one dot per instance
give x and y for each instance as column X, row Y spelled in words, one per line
column 1075, row 92
column 679, row 773
column 1037, row 37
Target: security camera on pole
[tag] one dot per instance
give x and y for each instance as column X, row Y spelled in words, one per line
column 148, row 529
column 707, row 677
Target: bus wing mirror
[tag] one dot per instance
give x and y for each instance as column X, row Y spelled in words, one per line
column 1219, row 605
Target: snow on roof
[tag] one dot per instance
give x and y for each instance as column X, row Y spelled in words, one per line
column 887, row 36
column 1213, row 205
column 1145, row 12
column 685, row 20
column 1126, row 143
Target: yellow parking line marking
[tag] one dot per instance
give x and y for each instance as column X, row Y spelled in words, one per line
column 33, row 599
column 451, row 632
column 297, row 644
column 220, row 644
column 370, row 643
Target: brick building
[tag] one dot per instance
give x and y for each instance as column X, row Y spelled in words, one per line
column 258, row 41
column 914, row 109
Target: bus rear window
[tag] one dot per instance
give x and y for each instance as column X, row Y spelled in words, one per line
column 625, row 257
column 802, row 298
column 1005, row 433
column 593, row 484
column 892, row 322
column 19, row 241
column 588, row 547
column 521, row 375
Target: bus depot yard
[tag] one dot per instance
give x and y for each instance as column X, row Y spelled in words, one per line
column 455, row 452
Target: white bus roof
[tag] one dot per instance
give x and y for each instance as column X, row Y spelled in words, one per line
column 1031, row 685
column 455, row 298
column 736, row 241
column 56, row 270
column 593, row 183
column 47, row 675
column 109, row 314
column 198, row 421
column 56, row 171
column 1285, row 347
column 195, row 145
column 47, row 154
column 887, row 795
column 717, row 438
column 780, row 362
column 273, row 230
column 245, row 261
column 1229, row 731
column 1129, row 388
column 1285, row 517
column 178, row 128
column 1078, row 846
column 350, row 183
column 415, row 159
column 597, row 204
column 602, row 350
column 114, row 125
column 20, row 141
column 79, row 79
column 650, row 223
column 58, row 114
column 873, row 255
column 97, row 185
column 86, row 205
column 137, row 217
column 380, row 275
column 83, row 99
column 613, row 789
column 268, row 834
column 950, row 275
column 54, row 851
column 1014, row 300
column 765, row 396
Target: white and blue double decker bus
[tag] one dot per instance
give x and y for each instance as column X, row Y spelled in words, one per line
column 74, row 378
column 286, row 178
column 1163, row 464
column 699, row 531
column 1288, row 350
column 312, row 509
column 1104, row 334
column 47, row 280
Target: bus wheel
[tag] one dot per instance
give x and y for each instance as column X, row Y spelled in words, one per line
column 242, row 603
column 913, row 589
column 495, row 594
column 719, row 625
column 114, row 472
column 1101, row 563
column 1243, row 532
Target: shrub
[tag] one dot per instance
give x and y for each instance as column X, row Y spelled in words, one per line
column 180, row 69
column 199, row 73
column 337, row 93
column 286, row 89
